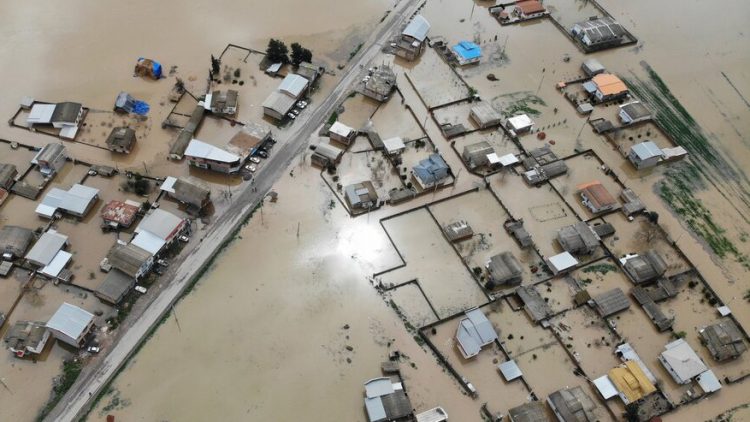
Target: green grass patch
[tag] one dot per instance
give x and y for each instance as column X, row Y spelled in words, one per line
column 71, row 370
column 600, row 268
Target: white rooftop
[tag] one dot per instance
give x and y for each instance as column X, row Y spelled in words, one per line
column 377, row 387
column 41, row 114
column 520, row 122
column 341, row 129
column 562, row 262
column 605, row 387
column 473, row 332
column 681, row 361
column 646, row 150
column 417, row 28
column 508, row 159
column 160, row 223
column 293, row 85
column 510, row 370
column 168, row 184
column 70, row 320
column 58, row 263
column 200, row 149
column 709, row 382
column 393, row 144
column 47, row 247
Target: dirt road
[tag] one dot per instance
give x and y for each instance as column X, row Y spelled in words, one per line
column 94, row 378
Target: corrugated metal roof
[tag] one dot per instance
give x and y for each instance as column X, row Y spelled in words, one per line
column 293, row 85
column 417, row 28
column 47, row 247
column 646, row 150
column 70, row 320
column 159, row 223
column 279, row 102
column 75, row 200
column 200, row 149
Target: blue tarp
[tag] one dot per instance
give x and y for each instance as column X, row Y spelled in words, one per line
column 467, row 50
column 155, row 67
column 125, row 102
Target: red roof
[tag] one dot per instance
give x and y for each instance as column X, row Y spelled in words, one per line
column 529, row 7
column 119, row 212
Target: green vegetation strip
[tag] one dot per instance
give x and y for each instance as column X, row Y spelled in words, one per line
column 71, row 370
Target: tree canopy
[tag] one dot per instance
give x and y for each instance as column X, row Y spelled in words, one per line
column 276, row 52
column 300, row 54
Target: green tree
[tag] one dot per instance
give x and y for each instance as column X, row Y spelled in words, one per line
column 276, row 52
column 300, row 54
column 215, row 65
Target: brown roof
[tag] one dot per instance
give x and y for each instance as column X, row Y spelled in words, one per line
column 119, row 212
column 529, row 7
column 597, row 194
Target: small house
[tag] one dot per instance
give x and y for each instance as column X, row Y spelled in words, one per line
column 645, row 155
column 381, row 83
column 394, row 146
column 71, row 324
column 431, row 172
column 484, row 115
column 50, row 159
column 606, row 87
column 596, row 197
column 634, row 112
column 644, row 268
column 561, row 263
column 115, row 287
column 540, row 174
column 520, row 123
column 458, row 231
column 76, row 201
column 386, row 401
column 467, row 52
column 592, row 67
column 14, row 241
column 533, row 303
column 206, row 156
column 681, row 361
column 503, row 269
column 412, row 41
column 27, row 338
column 723, row 340
column 118, row 214
column 578, row 238
column 474, row 332
column 222, row 102
column 361, row 196
column 8, row 174
column 574, row 405
column 157, row 231
column 187, row 191
column 534, row 411
column 599, row 32
column 326, row 154
column 341, row 133
column 611, row 302
column 121, row 139
column 131, row 260
column 476, row 155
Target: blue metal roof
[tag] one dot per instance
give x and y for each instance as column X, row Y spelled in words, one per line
column 468, row 50
column 431, row 169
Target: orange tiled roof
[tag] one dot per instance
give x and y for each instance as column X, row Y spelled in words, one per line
column 609, row 84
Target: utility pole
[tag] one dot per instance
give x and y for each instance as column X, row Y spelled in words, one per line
column 174, row 313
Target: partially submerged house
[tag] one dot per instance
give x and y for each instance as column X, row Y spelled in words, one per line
column 458, row 231
column 592, row 67
column 644, row 268
column 65, row 116
column 412, row 41
column 118, row 214
column 187, row 191
column 249, row 139
column 503, row 269
column 71, row 324
column 467, row 52
column 178, row 146
column 27, row 338
column 529, row 412
column 381, row 83
column 634, row 112
column 326, row 155
column 206, row 156
column 652, row 309
column 519, row 232
column 541, row 174
column 310, row 71
column 436, row 414
column 280, row 101
column 573, row 405
column 631, row 203
column 431, row 172
column 606, row 87
column 386, row 401
column 130, row 259
column 525, row 10
column 533, row 303
column 484, row 115
column 76, row 201
column 596, row 197
column 361, row 196
column 578, row 238
column 474, row 332
column 476, row 155
column 510, row 370
column 628, row 381
column 121, row 139
column 8, row 174
column 157, row 231
column 341, row 133
column 598, row 33
column 50, row 159
column 47, row 254
column 222, row 102
column 394, row 146
column 14, row 241
column 645, row 155
column 723, row 340
column 520, row 123
column 115, row 287
column 611, row 302
column 681, row 361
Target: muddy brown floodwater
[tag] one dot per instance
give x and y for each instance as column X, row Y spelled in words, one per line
column 263, row 335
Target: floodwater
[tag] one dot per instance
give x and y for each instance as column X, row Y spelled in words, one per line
column 263, row 337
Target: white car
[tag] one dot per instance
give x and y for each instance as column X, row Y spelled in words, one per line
column 302, row 104
column 296, row 112
column 93, row 349
column 255, row 160
column 141, row 289
column 251, row 168
column 184, row 239
column 291, row 116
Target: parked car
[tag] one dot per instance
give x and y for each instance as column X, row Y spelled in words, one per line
column 302, row 104
column 163, row 262
column 251, row 168
column 295, row 112
column 255, row 160
column 291, row 115
column 184, row 238
column 93, row 349
column 263, row 153
column 141, row 289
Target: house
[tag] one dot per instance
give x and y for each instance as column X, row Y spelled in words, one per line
column 115, row 287
column 484, row 115
column 503, row 269
column 310, row 71
column 48, row 255
column 540, row 174
column 381, row 83
column 121, row 139
column 341, row 133
column 596, row 197
column 118, row 214
column 644, row 268
column 71, row 324
column 598, row 33
column 723, row 339
column 206, row 156
column 248, row 139
column 187, row 191
column 574, row 405
column 14, row 241
column 157, row 231
column 519, row 232
column 436, row 414
column 467, row 52
column 474, row 332
column 394, row 146
column 76, row 201
column 131, row 260
column 606, row 87
column 27, row 338
column 651, row 308
column 361, row 196
column 458, row 231
column 177, row 149
column 561, row 262
column 632, row 204
column 645, row 155
column 280, row 101
column 535, row 306
column 50, row 159
column 628, row 381
column 65, row 116
column 520, row 123
column 476, row 155
column 592, row 67
column 386, row 401
column 578, row 238
column 412, row 41
column 529, row 412
column 510, row 370
column 432, row 171
column 326, row 155
column 529, row 9
column 611, row 302
column 681, row 361
column 634, row 112
column 8, row 174
column 222, row 102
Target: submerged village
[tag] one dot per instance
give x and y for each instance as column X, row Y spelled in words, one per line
column 530, row 205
